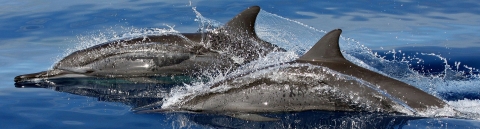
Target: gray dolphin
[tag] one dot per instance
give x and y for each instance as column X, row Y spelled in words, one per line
column 321, row 79
column 231, row 45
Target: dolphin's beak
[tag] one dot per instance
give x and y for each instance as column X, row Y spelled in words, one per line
column 30, row 77
column 29, row 80
column 35, row 77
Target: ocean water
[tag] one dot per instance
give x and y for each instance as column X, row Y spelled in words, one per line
column 433, row 45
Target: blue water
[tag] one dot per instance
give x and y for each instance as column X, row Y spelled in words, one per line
column 430, row 44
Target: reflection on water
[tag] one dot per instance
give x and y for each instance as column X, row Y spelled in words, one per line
column 140, row 93
column 135, row 92
column 308, row 119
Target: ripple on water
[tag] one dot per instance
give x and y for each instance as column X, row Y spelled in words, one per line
column 91, row 22
column 39, row 21
column 30, row 28
column 73, row 122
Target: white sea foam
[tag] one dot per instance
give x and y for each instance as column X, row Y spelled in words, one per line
column 468, row 108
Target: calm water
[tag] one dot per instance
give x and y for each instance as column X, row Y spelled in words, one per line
column 439, row 40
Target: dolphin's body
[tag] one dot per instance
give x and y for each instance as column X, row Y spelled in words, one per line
column 172, row 54
column 322, row 79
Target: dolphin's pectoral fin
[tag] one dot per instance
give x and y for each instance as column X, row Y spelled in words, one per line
column 252, row 117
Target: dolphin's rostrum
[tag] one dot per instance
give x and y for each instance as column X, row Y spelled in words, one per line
column 231, row 45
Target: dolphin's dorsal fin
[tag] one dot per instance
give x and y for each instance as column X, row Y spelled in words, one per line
column 327, row 48
column 244, row 22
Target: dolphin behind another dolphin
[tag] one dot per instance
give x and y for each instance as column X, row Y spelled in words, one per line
column 321, row 79
column 231, row 45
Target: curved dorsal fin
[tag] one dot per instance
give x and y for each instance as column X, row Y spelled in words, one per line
column 244, row 22
column 327, row 48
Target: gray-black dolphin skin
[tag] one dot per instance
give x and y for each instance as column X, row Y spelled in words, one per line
column 327, row 53
column 231, row 45
column 321, row 79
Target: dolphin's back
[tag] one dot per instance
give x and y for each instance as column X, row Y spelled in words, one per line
column 88, row 55
column 326, row 52
column 281, row 89
column 322, row 80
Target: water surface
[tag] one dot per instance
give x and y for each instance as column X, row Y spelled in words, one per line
column 438, row 39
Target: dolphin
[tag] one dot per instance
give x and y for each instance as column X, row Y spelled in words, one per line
column 321, row 79
column 226, row 47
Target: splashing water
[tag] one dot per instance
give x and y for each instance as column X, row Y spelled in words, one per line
column 288, row 34
column 458, row 88
column 297, row 38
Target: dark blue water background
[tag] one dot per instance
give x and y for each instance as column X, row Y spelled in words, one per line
column 429, row 36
